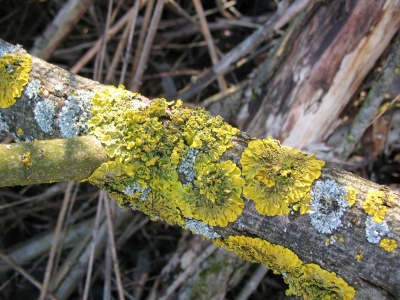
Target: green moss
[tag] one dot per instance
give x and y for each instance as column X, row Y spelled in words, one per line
column 147, row 144
column 305, row 280
column 277, row 176
column 14, row 75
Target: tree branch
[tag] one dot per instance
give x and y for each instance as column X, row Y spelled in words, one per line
column 328, row 232
column 50, row 161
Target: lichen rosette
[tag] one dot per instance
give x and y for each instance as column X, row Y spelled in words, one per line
column 375, row 205
column 14, row 74
column 214, row 198
column 277, row 176
column 155, row 148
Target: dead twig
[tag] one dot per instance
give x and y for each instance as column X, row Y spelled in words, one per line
column 25, row 273
column 112, row 246
column 142, row 36
column 145, row 53
column 210, row 43
column 91, row 256
column 210, row 249
column 60, row 220
column 252, row 283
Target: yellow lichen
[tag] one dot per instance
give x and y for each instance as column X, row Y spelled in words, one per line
column 359, row 256
column 388, row 245
column 277, row 176
column 305, row 280
column 26, row 159
column 14, row 75
column 375, row 205
column 215, row 196
column 19, row 131
column 341, row 240
column 351, row 196
column 146, row 147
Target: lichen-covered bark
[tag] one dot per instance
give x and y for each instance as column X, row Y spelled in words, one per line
column 48, row 89
column 50, row 161
column 187, row 168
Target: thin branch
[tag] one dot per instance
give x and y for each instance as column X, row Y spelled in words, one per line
column 49, row 161
column 25, row 273
column 91, row 257
column 139, row 46
column 145, row 53
column 60, row 220
column 112, row 246
column 210, row 43
column 181, row 278
column 252, row 283
column 129, row 44
column 59, row 28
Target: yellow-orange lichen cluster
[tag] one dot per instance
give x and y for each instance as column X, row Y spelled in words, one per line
column 278, row 176
column 147, row 150
column 166, row 162
column 14, row 75
column 375, row 205
column 305, row 280
column 388, row 244
column 351, row 196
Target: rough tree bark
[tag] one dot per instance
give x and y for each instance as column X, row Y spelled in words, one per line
column 343, row 238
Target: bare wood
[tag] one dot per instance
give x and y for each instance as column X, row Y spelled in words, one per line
column 317, row 82
column 371, row 104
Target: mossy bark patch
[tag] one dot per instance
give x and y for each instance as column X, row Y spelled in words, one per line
column 50, row 161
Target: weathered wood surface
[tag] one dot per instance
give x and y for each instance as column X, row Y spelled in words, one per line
column 322, row 66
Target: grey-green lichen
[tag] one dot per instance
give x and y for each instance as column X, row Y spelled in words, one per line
column 44, row 114
column 198, row 227
column 327, row 206
column 32, row 90
column 75, row 115
column 3, row 126
column 374, row 231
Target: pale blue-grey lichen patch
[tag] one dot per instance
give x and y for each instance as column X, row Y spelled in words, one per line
column 75, row 114
column 198, row 227
column 135, row 190
column 32, row 90
column 44, row 115
column 375, row 231
column 186, row 166
column 327, row 206
column 3, row 125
